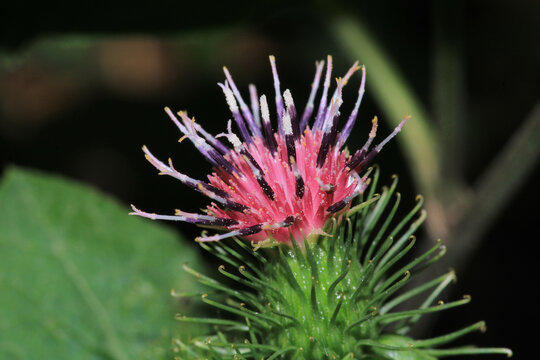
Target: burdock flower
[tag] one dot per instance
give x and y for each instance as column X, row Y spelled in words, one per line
column 340, row 296
column 276, row 184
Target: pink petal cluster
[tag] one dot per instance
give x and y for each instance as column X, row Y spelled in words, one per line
column 273, row 184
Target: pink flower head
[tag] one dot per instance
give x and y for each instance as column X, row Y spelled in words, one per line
column 274, row 184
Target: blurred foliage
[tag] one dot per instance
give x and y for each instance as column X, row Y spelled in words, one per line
column 80, row 278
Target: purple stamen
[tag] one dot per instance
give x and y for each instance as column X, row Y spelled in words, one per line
column 176, row 122
column 198, row 128
column 231, row 101
column 206, row 219
column 192, row 137
column 262, row 181
column 202, row 187
column 289, row 136
column 251, row 230
column 340, row 205
column 322, row 105
column 204, row 148
column 195, row 183
column 239, row 146
column 243, row 106
column 279, row 100
column 186, row 217
column 361, row 162
column 319, row 65
column 171, row 171
column 355, row 159
column 352, row 118
column 323, row 150
column 250, row 160
column 354, row 68
column 330, row 126
column 288, row 221
column 270, row 140
column 226, row 202
column 333, row 109
column 255, row 105
column 289, row 103
column 242, row 232
column 394, row 133
column 360, row 154
column 299, row 181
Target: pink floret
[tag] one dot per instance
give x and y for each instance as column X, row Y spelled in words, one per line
column 309, row 211
column 276, row 184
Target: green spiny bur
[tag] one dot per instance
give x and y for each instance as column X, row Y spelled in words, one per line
column 331, row 297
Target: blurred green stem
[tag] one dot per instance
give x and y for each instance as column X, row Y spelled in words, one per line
column 395, row 99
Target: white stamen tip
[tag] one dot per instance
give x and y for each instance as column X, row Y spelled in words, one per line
column 287, row 126
column 265, row 112
column 288, row 98
column 235, row 141
column 229, row 97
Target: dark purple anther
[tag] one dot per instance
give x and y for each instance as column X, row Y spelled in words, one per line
column 250, row 158
column 250, row 230
column 289, row 103
column 323, row 150
column 222, row 162
column 215, row 190
column 355, row 159
column 266, row 188
column 289, row 137
column 299, row 187
column 362, row 163
column 289, row 220
column 235, row 206
column 337, row 206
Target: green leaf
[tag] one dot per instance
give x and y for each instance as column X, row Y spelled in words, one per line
column 80, row 279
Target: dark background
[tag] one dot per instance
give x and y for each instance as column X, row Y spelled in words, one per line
column 83, row 86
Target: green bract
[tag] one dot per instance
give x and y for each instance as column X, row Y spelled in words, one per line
column 341, row 296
